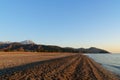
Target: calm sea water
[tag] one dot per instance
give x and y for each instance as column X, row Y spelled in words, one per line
column 108, row 61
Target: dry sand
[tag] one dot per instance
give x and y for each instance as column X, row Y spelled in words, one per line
column 11, row 59
column 69, row 67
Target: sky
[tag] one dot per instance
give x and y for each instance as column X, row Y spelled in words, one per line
column 73, row 23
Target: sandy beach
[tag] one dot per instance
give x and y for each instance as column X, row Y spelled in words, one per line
column 52, row 66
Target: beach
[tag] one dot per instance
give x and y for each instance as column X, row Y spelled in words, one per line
column 65, row 66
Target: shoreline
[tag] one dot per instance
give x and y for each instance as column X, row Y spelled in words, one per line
column 72, row 67
column 103, row 64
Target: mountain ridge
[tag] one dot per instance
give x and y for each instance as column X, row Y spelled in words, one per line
column 22, row 42
column 30, row 46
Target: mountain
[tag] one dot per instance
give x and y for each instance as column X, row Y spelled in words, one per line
column 30, row 46
column 95, row 50
column 22, row 42
column 6, row 42
column 92, row 50
column 27, row 42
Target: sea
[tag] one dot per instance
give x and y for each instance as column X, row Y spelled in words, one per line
column 109, row 61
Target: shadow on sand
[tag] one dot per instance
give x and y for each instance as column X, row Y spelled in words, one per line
column 23, row 67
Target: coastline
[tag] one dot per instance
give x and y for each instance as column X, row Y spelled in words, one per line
column 105, row 70
column 107, row 61
column 72, row 67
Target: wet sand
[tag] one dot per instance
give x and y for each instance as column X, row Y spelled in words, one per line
column 72, row 67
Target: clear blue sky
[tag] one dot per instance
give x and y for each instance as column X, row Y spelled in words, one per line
column 74, row 23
